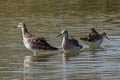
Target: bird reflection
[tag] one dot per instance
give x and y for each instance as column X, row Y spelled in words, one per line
column 68, row 54
column 65, row 57
column 28, row 60
column 30, row 63
column 64, row 67
column 93, row 49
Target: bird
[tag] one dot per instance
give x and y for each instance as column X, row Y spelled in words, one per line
column 32, row 42
column 94, row 39
column 69, row 44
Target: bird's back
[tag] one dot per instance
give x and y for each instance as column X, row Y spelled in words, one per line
column 75, row 42
column 92, row 36
column 39, row 42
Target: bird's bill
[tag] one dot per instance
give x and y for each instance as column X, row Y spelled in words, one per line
column 17, row 26
column 107, row 37
column 59, row 35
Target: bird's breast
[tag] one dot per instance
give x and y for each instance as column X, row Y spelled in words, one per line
column 27, row 43
column 65, row 44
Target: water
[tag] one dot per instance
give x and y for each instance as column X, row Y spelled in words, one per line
column 47, row 18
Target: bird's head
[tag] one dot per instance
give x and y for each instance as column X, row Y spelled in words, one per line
column 63, row 32
column 20, row 25
column 104, row 34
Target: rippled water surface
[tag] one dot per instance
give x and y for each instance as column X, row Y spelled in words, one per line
column 47, row 18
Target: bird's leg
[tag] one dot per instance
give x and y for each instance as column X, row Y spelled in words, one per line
column 35, row 53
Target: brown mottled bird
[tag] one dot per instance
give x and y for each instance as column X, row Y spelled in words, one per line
column 32, row 42
column 94, row 37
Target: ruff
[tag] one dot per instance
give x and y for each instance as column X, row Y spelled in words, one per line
column 32, row 42
column 94, row 39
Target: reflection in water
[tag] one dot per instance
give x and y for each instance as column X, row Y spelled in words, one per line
column 30, row 63
column 28, row 60
column 68, row 54
column 92, row 45
column 64, row 67
column 27, row 64
column 65, row 57
column 94, row 49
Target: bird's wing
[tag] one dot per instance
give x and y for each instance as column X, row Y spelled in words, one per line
column 29, row 35
column 91, row 37
column 39, row 42
column 85, row 39
column 74, row 41
column 94, row 38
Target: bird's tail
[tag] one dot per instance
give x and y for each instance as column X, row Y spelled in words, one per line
column 46, row 45
column 80, row 46
column 53, row 48
column 84, row 39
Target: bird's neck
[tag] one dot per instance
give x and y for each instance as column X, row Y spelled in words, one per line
column 65, row 37
column 94, row 31
column 24, row 31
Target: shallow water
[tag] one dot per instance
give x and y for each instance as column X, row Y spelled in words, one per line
column 47, row 18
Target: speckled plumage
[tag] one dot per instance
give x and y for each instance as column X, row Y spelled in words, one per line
column 34, row 43
column 94, row 37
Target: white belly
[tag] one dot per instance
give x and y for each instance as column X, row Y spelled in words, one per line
column 95, row 44
column 98, row 42
column 27, row 45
